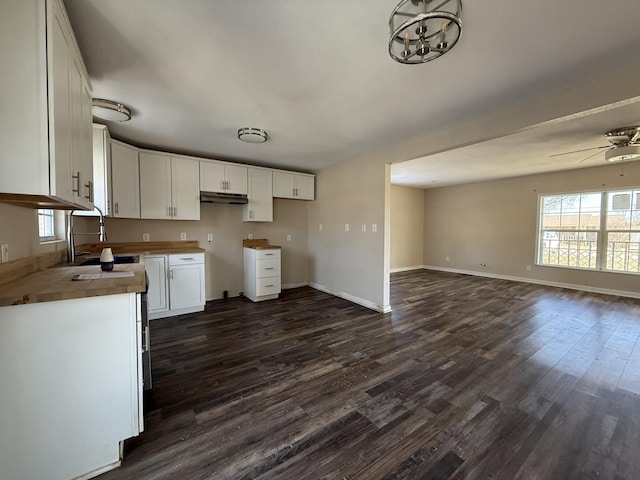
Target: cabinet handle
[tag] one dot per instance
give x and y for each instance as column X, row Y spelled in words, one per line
column 171, row 273
column 187, row 258
column 267, row 286
column 116, row 207
column 77, row 189
column 268, row 254
column 88, row 186
column 226, row 185
column 175, row 211
column 270, row 268
column 222, row 182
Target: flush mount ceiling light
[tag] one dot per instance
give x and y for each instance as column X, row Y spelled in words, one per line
column 252, row 135
column 423, row 30
column 110, row 111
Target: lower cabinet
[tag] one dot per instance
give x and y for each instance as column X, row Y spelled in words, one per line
column 176, row 284
column 72, row 386
column 261, row 273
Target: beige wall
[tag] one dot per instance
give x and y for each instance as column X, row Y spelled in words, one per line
column 19, row 229
column 407, row 225
column 224, row 255
column 352, row 264
column 495, row 223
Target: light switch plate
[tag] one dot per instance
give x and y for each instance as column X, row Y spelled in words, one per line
column 4, row 255
column 288, row 237
column 374, row 227
column 320, row 226
column 364, row 227
column 346, row 227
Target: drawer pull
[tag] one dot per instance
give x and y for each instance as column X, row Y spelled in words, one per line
column 270, row 268
column 267, row 286
column 268, row 254
column 187, row 258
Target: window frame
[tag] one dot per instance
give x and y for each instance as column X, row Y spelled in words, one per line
column 52, row 221
column 602, row 233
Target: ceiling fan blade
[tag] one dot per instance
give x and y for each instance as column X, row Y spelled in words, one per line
column 590, row 156
column 578, row 151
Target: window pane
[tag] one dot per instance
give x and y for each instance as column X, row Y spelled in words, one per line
column 45, row 223
column 571, row 212
column 568, row 248
column 590, row 205
column 623, row 251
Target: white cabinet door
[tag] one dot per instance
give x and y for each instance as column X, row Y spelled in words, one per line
column 186, row 286
column 60, row 128
column 236, row 179
column 223, row 178
column 260, row 206
column 212, row 177
column 155, row 186
column 156, row 268
column 185, row 191
column 125, row 181
column 283, row 185
column 305, row 187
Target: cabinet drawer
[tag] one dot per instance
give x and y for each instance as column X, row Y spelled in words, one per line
column 267, row 286
column 186, row 258
column 270, row 253
column 269, row 267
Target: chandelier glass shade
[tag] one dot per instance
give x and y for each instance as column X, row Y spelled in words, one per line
column 423, row 30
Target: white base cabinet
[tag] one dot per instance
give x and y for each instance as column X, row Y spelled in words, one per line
column 176, row 284
column 72, row 386
column 262, row 279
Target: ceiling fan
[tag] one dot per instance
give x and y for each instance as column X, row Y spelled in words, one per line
column 624, row 145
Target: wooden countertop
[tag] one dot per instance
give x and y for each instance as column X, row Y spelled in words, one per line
column 55, row 284
column 142, row 248
column 259, row 244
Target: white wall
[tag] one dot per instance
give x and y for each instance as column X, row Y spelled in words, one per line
column 407, row 225
column 495, row 223
column 353, row 264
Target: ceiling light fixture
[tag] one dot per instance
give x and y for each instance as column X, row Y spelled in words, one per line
column 628, row 152
column 109, row 110
column 423, row 30
column 252, row 135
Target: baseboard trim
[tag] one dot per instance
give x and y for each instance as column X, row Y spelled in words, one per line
column 352, row 298
column 535, row 281
column 407, row 269
column 289, row 286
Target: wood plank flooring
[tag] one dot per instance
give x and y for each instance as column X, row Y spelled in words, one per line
column 468, row 378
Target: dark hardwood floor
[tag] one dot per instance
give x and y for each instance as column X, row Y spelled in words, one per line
column 468, row 378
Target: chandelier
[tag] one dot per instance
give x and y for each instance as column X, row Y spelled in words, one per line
column 423, row 30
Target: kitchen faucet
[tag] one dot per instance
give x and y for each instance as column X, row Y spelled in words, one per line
column 71, row 246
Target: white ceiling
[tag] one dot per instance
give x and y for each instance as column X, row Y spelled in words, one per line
column 317, row 76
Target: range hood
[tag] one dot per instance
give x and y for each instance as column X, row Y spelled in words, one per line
column 228, row 198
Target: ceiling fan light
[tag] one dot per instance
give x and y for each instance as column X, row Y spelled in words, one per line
column 629, row 152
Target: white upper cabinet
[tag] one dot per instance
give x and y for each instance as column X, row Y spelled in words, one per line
column 169, row 187
column 223, row 177
column 260, row 206
column 45, row 118
column 298, row 186
column 124, row 181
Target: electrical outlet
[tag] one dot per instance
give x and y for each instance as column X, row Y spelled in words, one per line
column 446, row 259
column 288, row 237
column 145, row 237
column 183, row 235
column 4, row 257
column 364, row 227
column 346, row 227
column 209, row 237
column 250, row 236
column 374, row 227
column 528, row 267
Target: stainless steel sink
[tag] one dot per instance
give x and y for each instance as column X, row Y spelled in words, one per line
column 116, row 259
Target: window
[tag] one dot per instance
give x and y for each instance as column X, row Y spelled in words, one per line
column 46, row 225
column 598, row 231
